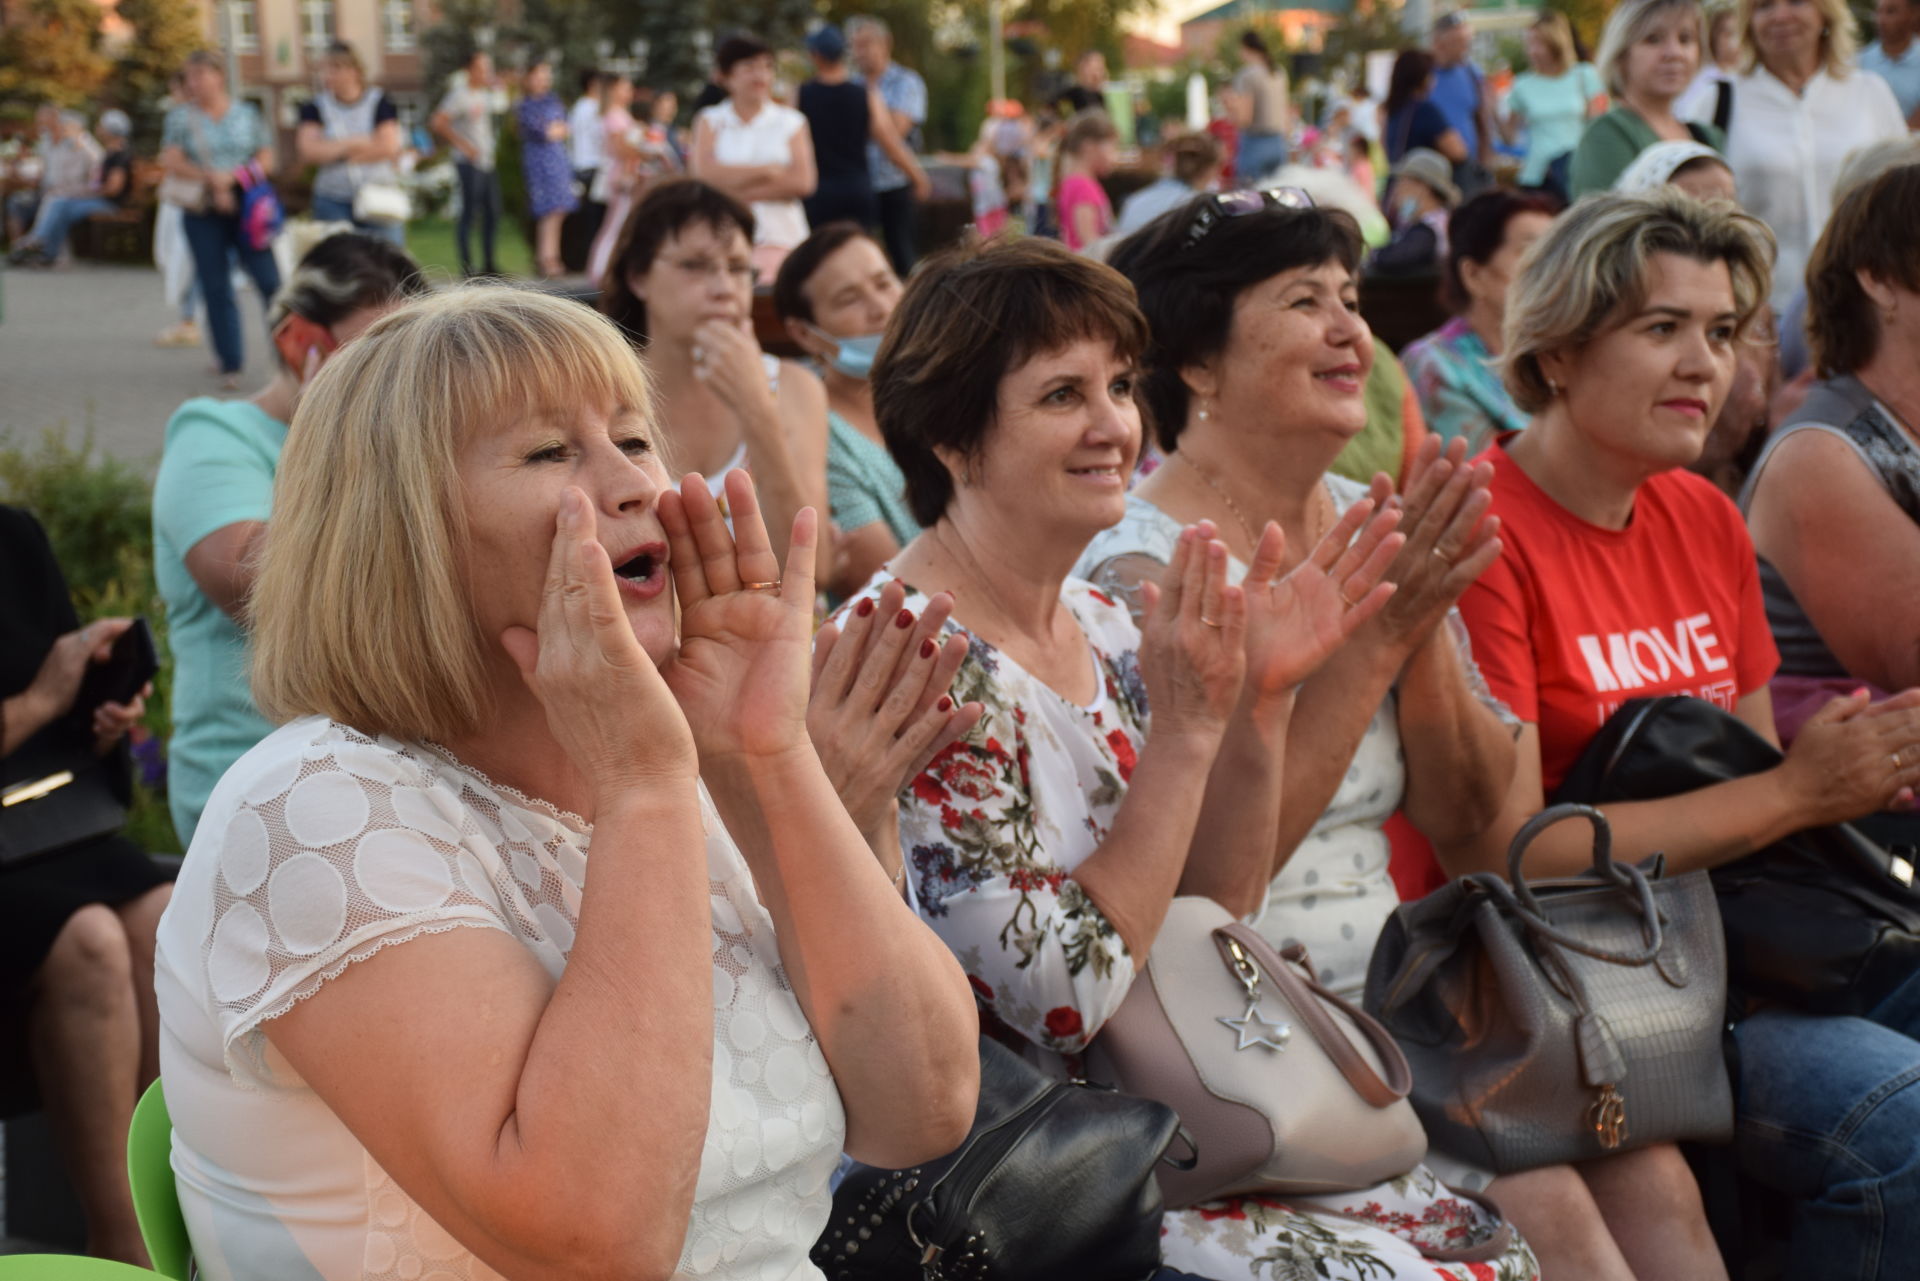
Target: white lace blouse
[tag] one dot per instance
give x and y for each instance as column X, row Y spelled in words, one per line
column 320, row 847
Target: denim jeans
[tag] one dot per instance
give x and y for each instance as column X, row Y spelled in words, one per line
column 1259, row 155
column 216, row 240
column 1829, row 1114
column 326, row 209
column 479, row 197
column 57, row 216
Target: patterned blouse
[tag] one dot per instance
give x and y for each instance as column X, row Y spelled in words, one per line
column 1460, row 393
column 993, row 830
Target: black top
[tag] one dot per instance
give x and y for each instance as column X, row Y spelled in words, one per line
column 710, row 95
column 383, row 111
column 1080, row 98
column 122, row 160
column 35, row 611
column 838, row 115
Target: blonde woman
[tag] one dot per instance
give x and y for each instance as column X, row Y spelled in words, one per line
column 1799, row 106
column 1622, row 337
column 1552, row 101
column 397, row 1037
column 1648, row 55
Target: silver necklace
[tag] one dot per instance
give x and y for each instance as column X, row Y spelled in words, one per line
column 1321, row 520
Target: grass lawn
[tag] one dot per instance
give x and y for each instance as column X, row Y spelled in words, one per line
column 430, row 241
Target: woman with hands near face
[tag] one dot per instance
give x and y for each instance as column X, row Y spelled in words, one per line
column 1114, row 764
column 386, row 955
column 681, row 287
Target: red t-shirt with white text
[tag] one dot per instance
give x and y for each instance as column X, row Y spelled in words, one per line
column 1573, row 619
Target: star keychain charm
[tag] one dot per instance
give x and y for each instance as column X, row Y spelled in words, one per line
column 1255, row 1029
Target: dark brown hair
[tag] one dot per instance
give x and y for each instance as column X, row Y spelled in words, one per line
column 1873, row 232
column 1477, row 229
column 667, row 210
column 1188, row 290
column 971, row 316
column 790, row 301
column 736, row 49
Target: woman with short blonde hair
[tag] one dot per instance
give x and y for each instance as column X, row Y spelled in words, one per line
column 1648, row 55
column 1799, row 106
column 1623, row 335
column 398, row 1033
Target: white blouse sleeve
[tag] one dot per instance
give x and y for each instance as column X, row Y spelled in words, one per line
column 330, row 851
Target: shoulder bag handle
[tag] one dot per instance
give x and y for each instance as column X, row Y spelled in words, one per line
column 1517, row 896
column 1305, row 994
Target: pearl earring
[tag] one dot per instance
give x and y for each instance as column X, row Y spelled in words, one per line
column 1553, row 388
column 1204, row 412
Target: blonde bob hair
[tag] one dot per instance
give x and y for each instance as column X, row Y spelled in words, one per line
column 1591, row 268
column 1838, row 44
column 1557, row 34
column 1628, row 24
column 361, row 611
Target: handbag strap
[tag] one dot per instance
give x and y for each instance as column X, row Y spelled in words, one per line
column 1306, row 995
column 1517, row 896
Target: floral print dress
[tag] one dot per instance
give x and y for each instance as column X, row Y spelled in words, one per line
column 992, row 831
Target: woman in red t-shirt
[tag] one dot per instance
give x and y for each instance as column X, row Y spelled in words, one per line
column 1624, row 576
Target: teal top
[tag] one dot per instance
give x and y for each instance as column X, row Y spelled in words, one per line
column 1611, row 143
column 1461, row 394
column 863, row 484
column 216, row 469
column 224, row 144
column 1555, row 109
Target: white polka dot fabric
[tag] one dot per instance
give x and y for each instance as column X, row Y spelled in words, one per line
column 323, row 846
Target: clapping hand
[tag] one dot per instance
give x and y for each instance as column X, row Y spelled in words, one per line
column 1450, row 539
column 1193, row 641
column 880, row 710
column 1296, row 623
column 741, row 672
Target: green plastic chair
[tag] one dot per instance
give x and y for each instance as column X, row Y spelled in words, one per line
column 67, row 1267
column 156, row 1202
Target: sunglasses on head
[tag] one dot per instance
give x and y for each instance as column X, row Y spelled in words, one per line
column 1232, row 204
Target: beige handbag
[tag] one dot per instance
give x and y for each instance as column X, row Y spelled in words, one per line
column 1285, row 1088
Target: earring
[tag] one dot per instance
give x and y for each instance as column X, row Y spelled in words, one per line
column 1205, row 413
column 1553, row 389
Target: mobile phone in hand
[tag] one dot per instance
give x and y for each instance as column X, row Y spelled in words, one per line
column 129, row 665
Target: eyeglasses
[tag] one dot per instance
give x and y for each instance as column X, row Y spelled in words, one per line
column 742, row 273
column 1233, row 204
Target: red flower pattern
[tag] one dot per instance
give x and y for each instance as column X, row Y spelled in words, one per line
column 1063, row 1021
column 1123, row 753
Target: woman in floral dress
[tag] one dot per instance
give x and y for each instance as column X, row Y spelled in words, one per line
column 1045, row 845
column 542, row 118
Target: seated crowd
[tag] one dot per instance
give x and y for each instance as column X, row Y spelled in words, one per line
column 485, row 580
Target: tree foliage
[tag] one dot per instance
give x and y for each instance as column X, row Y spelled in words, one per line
column 163, row 33
column 51, row 53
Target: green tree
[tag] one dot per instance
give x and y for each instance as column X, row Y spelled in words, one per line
column 51, row 53
column 164, row 33
column 464, row 26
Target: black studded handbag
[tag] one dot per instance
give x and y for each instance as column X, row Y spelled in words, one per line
column 1055, row 1180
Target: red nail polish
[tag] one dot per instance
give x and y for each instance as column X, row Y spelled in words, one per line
column 927, row 647
column 904, row 618
column 865, row 607
column 944, row 705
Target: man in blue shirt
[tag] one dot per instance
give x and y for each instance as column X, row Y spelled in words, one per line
column 1895, row 56
column 905, row 96
column 1460, row 90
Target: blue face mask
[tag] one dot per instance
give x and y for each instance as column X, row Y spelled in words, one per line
column 1409, row 209
column 852, row 356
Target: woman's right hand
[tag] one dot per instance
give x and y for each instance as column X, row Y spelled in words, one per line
column 61, row 671
column 1193, row 641
column 879, row 710
column 1450, row 539
column 605, row 700
column 1853, row 758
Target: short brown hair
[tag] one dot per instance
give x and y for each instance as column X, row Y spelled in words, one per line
column 790, row 300
column 971, row 316
column 667, row 210
column 1873, row 232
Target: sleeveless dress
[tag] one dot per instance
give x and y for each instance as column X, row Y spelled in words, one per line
column 321, row 847
column 993, row 829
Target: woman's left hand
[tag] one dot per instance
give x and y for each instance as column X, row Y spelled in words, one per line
column 741, row 670
column 1295, row 623
column 112, row 721
column 880, row 710
column 726, row 357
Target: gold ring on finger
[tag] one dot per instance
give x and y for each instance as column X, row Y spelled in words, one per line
column 773, row 586
column 1897, row 762
column 1351, row 604
column 1444, row 558
column 1210, row 623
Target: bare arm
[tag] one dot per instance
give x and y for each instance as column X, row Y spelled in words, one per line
column 223, row 565
column 892, row 142
column 441, row 126
column 1459, row 754
column 1841, row 768
column 1086, row 224
column 1483, row 118
column 1451, row 145
column 1833, row 532
column 174, row 160
column 791, row 181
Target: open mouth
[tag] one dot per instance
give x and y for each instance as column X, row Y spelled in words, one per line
column 643, row 573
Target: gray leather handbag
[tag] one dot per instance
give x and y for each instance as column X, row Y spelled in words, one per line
column 1559, row 1020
